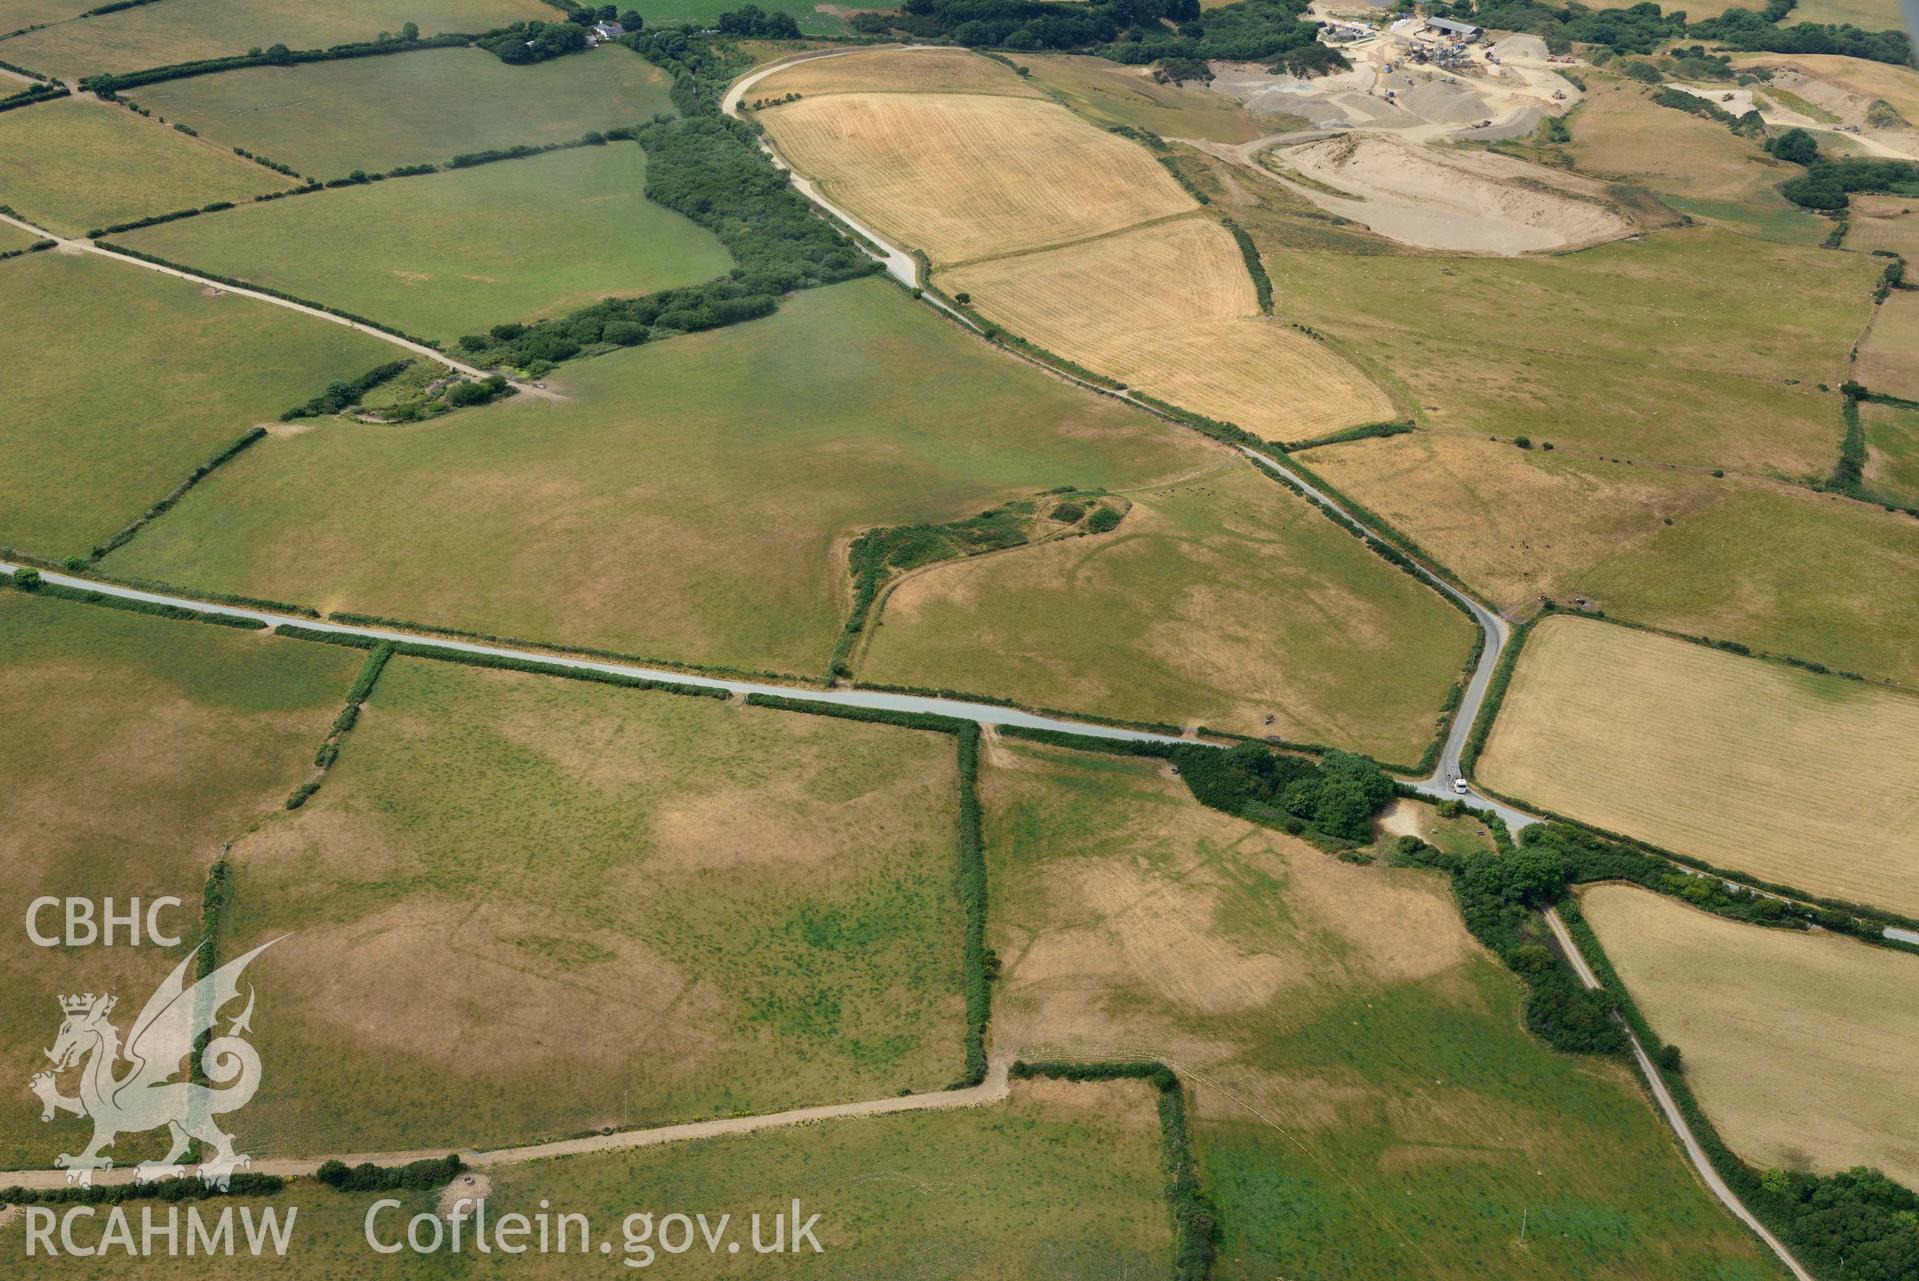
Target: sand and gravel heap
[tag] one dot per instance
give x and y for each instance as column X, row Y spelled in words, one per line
column 1442, row 198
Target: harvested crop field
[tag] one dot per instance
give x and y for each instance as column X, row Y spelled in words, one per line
column 616, row 907
column 1892, row 452
column 1221, row 600
column 186, row 30
column 1883, row 222
column 134, row 746
column 119, row 382
column 1171, row 310
column 1692, row 346
column 73, row 165
column 692, row 499
column 1111, row 93
column 1889, row 357
column 925, row 70
column 1773, row 566
column 1799, row 1045
column 1132, row 922
column 966, row 176
column 1788, row 776
column 1455, row 199
column 330, row 118
column 454, row 253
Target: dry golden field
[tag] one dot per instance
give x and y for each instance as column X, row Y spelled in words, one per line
column 1884, row 222
column 1799, row 1046
column 965, row 176
column 1889, row 357
column 1170, row 309
column 1796, row 778
column 925, row 70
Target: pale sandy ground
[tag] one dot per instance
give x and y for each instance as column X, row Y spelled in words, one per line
column 1453, row 199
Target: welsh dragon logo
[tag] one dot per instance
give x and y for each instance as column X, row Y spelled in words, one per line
column 155, row 1089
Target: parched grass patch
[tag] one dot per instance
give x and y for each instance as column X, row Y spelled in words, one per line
column 1889, row 357
column 1698, row 165
column 15, row 14
column 1776, row 568
column 1111, row 93
column 1799, row 1046
column 1111, row 305
column 1789, row 776
column 72, row 165
column 1883, row 222
column 1060, row 1181
column 1367, row 1103
column 608, row 907
column 121, row 381
column 1892, row 452
column 133, row 748
column 1221, row 600
column 188, row 30
column 12, row 237
column 330, row 118
column 968, row 175
column 1867, row 15
column 691, row 500
column 1690, row 346
column 453, row 253
column 931, row 70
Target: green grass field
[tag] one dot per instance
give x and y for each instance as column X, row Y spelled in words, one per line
column 12, row 237
column 1060, row 1182
column 120, row 381
column 134, row 746
column 1368, row 1103
column 1802, row 574
column 1892, row 452
column 1222, row 600
column 330, row 118
column 692, row 500
column 453, row 253
column 134, row 39
column 612, row 907
column 1682, row 346
column 73, row 165
column 15, row 14
column 1869, row 15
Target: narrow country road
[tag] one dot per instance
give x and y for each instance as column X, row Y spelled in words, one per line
column 76, row 244
column 1674, row 1117
column 1440, row 783
column 994, row 1089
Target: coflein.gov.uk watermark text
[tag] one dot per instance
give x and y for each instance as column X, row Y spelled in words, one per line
column 201, row 1231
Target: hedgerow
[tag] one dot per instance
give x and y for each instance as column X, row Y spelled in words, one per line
column 1854, row 1224
column 29, row 580
column 241, row 1184
column 34, row 93
column 433, row 1172
column 979, row 966
column 278, row 55
column 1195, row 1221
column 341, row 393
column 200, row 473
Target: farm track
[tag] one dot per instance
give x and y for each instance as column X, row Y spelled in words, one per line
column 994, row 1089
column 1439, row 784
column 78, row 244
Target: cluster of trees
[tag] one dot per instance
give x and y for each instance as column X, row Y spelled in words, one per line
column 1756, row 31
column 754, row 22
column 1858, row 1223
column 527, row 42
column 1335, row 796
column 1827, row 183
column 1171, row 33
column 1500, row 897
